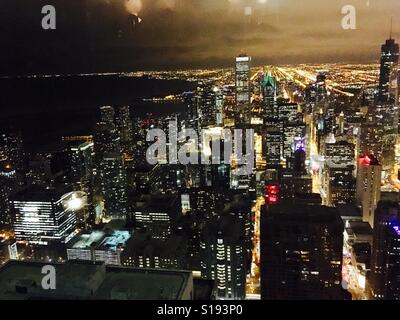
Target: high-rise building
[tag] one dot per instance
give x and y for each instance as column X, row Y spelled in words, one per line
column 157, row 214
column 341, row 120
column 8, row 185
column 295, row 180
column 12, row 169
column 340, row 152
column 368, row 191
column 293, row 133
column 106, row 140
column 389, row 60
column 223, row 254
column 81, row 160
column 289, row 112
column 395, row 85
column 12, row 150
column 191, row 100
column 371, row 138
column 143, row 251
column 107, row 115
column 210, row 104
column 125, row 129
column 113, row 182
column 269, row 92
column 293, row 184
column 219, row 106
column 316, row 94
column 44, row 216
column 166, row 179
column 243, row 90
column 273, row 146
column 301, row 252
column 385, row 258
column 339, row 184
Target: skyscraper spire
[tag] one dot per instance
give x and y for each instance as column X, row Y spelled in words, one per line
column 391, row 28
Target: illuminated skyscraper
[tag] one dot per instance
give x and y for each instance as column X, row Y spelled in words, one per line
column 340, row 152
column 223, row 253
column 113, row 186
column 124, row 125
column 8, row 185
column 81, row 161
column 210, row 104
column 385, row 257
column 12, row 169
column 389, row 60
column 106, row 140
column 371, row 138
column 293, row 134
column 11, row 149
column 106, row 137
column 243, row 90
column 268, row 89
column 395, row 84
column 273, row 146
column 219, row 106
column 44, row 216
column 191, row 100
column 289, row 112
column 107, row 114
column 157, row 214
column 368, row 191
column 339, row 184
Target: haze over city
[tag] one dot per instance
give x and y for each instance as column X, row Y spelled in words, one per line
column 179, row 34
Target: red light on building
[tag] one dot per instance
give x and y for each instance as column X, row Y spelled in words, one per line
column 273, row 189
column 368, row 160
column 365, row 161
column 272, row 194
column 272, row 199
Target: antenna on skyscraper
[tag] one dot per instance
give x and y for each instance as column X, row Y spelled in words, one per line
column 391, row 27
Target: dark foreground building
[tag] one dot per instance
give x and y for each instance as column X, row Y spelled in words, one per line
column 385, row 257
column 301, row 252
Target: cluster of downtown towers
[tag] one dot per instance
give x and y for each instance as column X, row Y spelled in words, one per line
column 266, row 232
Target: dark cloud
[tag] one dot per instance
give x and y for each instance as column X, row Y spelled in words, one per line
column 100, row 35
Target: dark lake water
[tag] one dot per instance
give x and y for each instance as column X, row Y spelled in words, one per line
column 44, row 109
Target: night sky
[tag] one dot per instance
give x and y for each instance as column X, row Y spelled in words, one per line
column 99, row 35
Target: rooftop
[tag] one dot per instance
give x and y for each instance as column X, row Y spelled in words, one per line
column 143, row 244
column 100, row 240
column 360, row 228
column 22, row 281
column 36, row 193
column 349, row 210
column 302, row 213
column 157, row 204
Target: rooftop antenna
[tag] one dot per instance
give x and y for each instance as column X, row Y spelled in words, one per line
column 391, row 28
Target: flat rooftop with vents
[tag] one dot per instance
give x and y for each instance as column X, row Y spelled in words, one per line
column 21, row 280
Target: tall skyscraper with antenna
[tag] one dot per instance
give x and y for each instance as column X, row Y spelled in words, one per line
column 389, row 60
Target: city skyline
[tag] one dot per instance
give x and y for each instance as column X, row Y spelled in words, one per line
column 257, row 181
